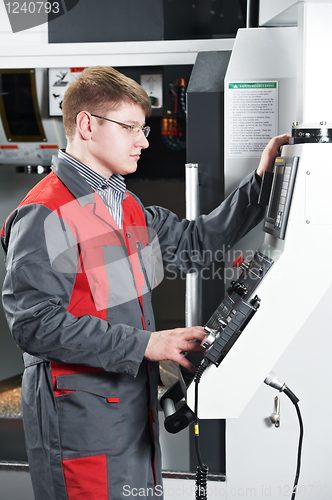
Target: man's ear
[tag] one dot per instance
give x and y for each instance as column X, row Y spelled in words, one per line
column 83, row 124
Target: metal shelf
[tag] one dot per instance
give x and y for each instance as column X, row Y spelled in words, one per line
column 111, row 53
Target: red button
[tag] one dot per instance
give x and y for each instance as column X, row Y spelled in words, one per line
column 238, row 261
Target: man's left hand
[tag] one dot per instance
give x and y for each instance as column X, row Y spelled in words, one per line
column 271, row 151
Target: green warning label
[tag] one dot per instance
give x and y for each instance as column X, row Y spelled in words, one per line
column 256, row 85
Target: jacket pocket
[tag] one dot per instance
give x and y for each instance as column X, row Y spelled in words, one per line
column 86, row 478
column 90, row 416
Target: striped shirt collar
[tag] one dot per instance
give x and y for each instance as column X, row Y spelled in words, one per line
column 95, row 180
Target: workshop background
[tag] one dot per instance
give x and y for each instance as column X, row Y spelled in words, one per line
column 188, row 55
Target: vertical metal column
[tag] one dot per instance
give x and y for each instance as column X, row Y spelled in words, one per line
column 193, row 283
column 205, row 146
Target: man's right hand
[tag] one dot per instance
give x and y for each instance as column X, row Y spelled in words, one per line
column 168, row 345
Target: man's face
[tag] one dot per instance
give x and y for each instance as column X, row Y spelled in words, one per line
column 114, row 149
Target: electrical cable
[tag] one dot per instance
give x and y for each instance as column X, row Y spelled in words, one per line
column 202, row 469
column 273, row 381
column 299, row 453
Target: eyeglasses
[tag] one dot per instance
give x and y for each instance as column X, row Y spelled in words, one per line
column 133, row 128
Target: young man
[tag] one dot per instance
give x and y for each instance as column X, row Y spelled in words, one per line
column 82, row 258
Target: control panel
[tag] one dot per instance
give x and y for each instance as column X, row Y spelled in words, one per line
column 241, row 301
column 236, row 310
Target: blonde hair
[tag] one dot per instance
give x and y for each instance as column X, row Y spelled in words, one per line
column 96, row 90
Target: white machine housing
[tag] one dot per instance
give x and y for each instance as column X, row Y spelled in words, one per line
column 293, row 287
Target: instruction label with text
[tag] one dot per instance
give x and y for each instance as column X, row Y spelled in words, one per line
column 252, row 117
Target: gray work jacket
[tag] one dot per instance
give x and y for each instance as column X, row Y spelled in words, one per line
column 89, row 397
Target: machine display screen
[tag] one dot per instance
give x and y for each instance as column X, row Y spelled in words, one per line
column 284, row 173
column 275, row 193
column 19, row 107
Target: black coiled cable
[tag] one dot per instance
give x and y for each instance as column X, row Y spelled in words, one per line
column 201, row 482
column 202, row 469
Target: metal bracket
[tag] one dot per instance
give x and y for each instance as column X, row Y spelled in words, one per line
column 275, row 416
